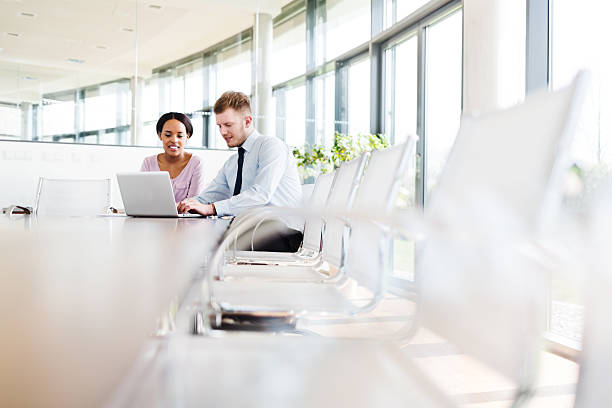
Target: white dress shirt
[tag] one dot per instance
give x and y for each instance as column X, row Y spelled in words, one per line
column 269, row 178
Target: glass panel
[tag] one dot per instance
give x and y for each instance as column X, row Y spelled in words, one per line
column 401, row 81
column 106, row 106
column 69, row 82
column 343, row 17
column 579, row 40
column 10, row 121
column 325, row 109
column 289, row 49
column 359, row 97
column 443, row 92
column 233, row 70
column 295, row 116
column 58, row 114
column 194, row 86
column 396, row 10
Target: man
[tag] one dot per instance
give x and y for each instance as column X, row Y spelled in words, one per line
column 263, row 173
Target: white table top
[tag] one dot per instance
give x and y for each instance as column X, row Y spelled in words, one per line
column 80, row 296
column 245, row 370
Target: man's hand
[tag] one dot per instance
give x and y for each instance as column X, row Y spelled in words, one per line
column 192, row 205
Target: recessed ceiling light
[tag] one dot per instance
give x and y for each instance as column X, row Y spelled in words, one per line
column 75, row 60
column 102, row 47
column 16, row 35
column 154, row 6
column 27, row 14
column 127, row 29
column 30, row 78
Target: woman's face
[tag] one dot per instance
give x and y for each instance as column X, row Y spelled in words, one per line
column 173, row 137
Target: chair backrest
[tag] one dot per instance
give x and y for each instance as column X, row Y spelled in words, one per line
column 382, row 177
column 314, row 225
column 341, row 197
column 593, row 388
column 514, row 155
column 72, row 197
column 369, row 249
column 475, row 287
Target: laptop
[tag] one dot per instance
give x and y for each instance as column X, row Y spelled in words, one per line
column 149, row 194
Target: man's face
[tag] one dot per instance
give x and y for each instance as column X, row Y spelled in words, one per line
column 234, row 126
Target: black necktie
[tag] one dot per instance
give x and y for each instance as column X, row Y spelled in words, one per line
column 238, row 184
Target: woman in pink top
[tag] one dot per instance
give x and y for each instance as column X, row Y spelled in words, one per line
column 185, row 169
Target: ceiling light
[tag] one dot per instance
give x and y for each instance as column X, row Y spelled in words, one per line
column 127, row 29
column 27, row 14
column 75, row 60
column 102, row 47
column 154, row 6
column 16, row 35
column 30, row 78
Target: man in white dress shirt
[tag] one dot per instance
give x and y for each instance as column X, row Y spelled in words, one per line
column 263, row 173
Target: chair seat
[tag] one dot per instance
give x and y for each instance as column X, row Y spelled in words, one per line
column 271, row 272
column 286, row 371
column 296, row 297
column 264, row 256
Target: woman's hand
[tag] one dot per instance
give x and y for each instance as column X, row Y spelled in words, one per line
column 192, row 205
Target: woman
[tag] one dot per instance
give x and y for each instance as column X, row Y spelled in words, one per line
column 173, row 129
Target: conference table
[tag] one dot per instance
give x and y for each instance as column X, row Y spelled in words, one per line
column 81, row 301
column 81, row 296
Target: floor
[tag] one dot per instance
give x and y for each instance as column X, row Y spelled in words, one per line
column 469, row 382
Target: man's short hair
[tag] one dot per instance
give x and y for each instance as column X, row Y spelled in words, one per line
column 234, row 100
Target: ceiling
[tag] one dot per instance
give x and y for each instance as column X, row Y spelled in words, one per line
column 52, row 45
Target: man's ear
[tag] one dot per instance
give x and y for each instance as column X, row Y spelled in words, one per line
column 248, row 120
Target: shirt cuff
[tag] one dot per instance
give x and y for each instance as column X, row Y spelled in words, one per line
column 222, row 208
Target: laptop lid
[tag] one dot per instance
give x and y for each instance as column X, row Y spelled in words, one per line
column 147, row 194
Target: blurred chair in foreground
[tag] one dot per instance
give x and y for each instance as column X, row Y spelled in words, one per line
column 596, row 357
column 71, row 197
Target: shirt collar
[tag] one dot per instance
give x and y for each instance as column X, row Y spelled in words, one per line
column 248, row 143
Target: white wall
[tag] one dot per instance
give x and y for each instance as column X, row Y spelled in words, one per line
column 21, row 163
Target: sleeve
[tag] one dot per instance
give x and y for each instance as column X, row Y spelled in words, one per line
column 218, row 189
column 196, row 183
column 271, row 165
column 145, row 165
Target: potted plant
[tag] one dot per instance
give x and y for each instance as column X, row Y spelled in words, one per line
column 318, row 159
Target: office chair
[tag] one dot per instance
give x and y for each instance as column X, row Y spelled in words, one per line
column 70, row 197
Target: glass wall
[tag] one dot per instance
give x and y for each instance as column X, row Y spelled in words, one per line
column 344, row 17
column 443, row 79
column 359, row 97
column 10, row 121
column 401, row 88
column 579, row 40
column 289, row 48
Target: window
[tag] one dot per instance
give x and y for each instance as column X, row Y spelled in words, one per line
column 233, row 70
column 106, row 106
column 324, row 109
column 401, row 88
column 395, row 10
column 10, row 121
column 58, row 115
column 344, row 17
column 359, row 97
column 295, row 116
column 443, row 80
column 289, row 49
column 579, row 40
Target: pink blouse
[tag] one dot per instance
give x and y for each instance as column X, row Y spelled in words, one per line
column 187, row 184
